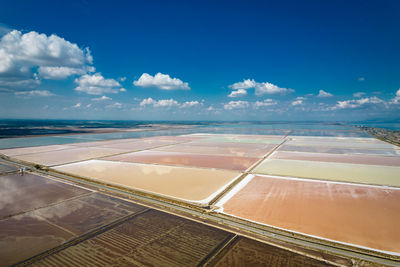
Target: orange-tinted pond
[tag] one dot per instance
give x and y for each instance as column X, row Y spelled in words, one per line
column 365, row 216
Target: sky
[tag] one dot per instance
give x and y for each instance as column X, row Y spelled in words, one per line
column 200, row 60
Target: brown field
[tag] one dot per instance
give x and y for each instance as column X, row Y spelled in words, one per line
column 87, row 213
column 150, row 239
column 247, row 252
column 22, row 193
column 7, row 168
column 24, row 236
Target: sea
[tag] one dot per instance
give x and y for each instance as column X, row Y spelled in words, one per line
column 20, row 133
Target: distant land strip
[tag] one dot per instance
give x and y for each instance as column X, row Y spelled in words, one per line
column 390, row 136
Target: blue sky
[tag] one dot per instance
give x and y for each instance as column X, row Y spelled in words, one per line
column 200, row 60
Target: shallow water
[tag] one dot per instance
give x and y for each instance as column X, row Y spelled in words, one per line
column 361, row 215
column 188, row 184
column 354, row 173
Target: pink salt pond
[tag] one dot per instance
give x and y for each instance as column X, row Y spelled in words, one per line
column 365, row 216
column 186, row 159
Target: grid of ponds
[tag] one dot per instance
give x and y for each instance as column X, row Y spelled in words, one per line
column 343, row 188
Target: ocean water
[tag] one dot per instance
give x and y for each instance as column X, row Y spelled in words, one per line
column 22, row 133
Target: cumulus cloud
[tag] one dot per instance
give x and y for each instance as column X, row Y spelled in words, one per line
column 358, row 94
column 168, row 103
column 246, row 84
column 103, row 98
column 27, row 58
column 269, row 88
column 55, row 57
column 236, row 105
column 189, row 104
column 323, row 93
column 159, row 103
column 260, row 88
column 356, row 103
column 238, row 93
column 265, row 103
column 297, row 102
column 161, row 81
column 96, row 84
column 114, row 105
column 34, row 93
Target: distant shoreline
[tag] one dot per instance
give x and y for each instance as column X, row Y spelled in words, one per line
column 387, row 135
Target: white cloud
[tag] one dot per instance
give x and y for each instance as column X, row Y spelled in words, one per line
column 236, row 105
column 358, row 94
column 238, row 93
column 34, row 93
column 122, row 79
column 189, row 104
column 355, row 103
column 148, row 101
column 26, row 58
column 322, row 93
column 361, row 79
column 77, row 105
column 166, row 103
column 260, row 88
column 269, row 88
column 20, row 53
column 161, row 81
column 297, row 102
column 265, row 103
column 114, row 105
column 103, row 98
column 246, row 84
column 96, row 84
column 159, row 103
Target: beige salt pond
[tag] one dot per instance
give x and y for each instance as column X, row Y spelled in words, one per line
column 342, row 144
column 345, row 172
column 195, row 185
column 51, row 158
column 34, row 149
column 340, row 158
